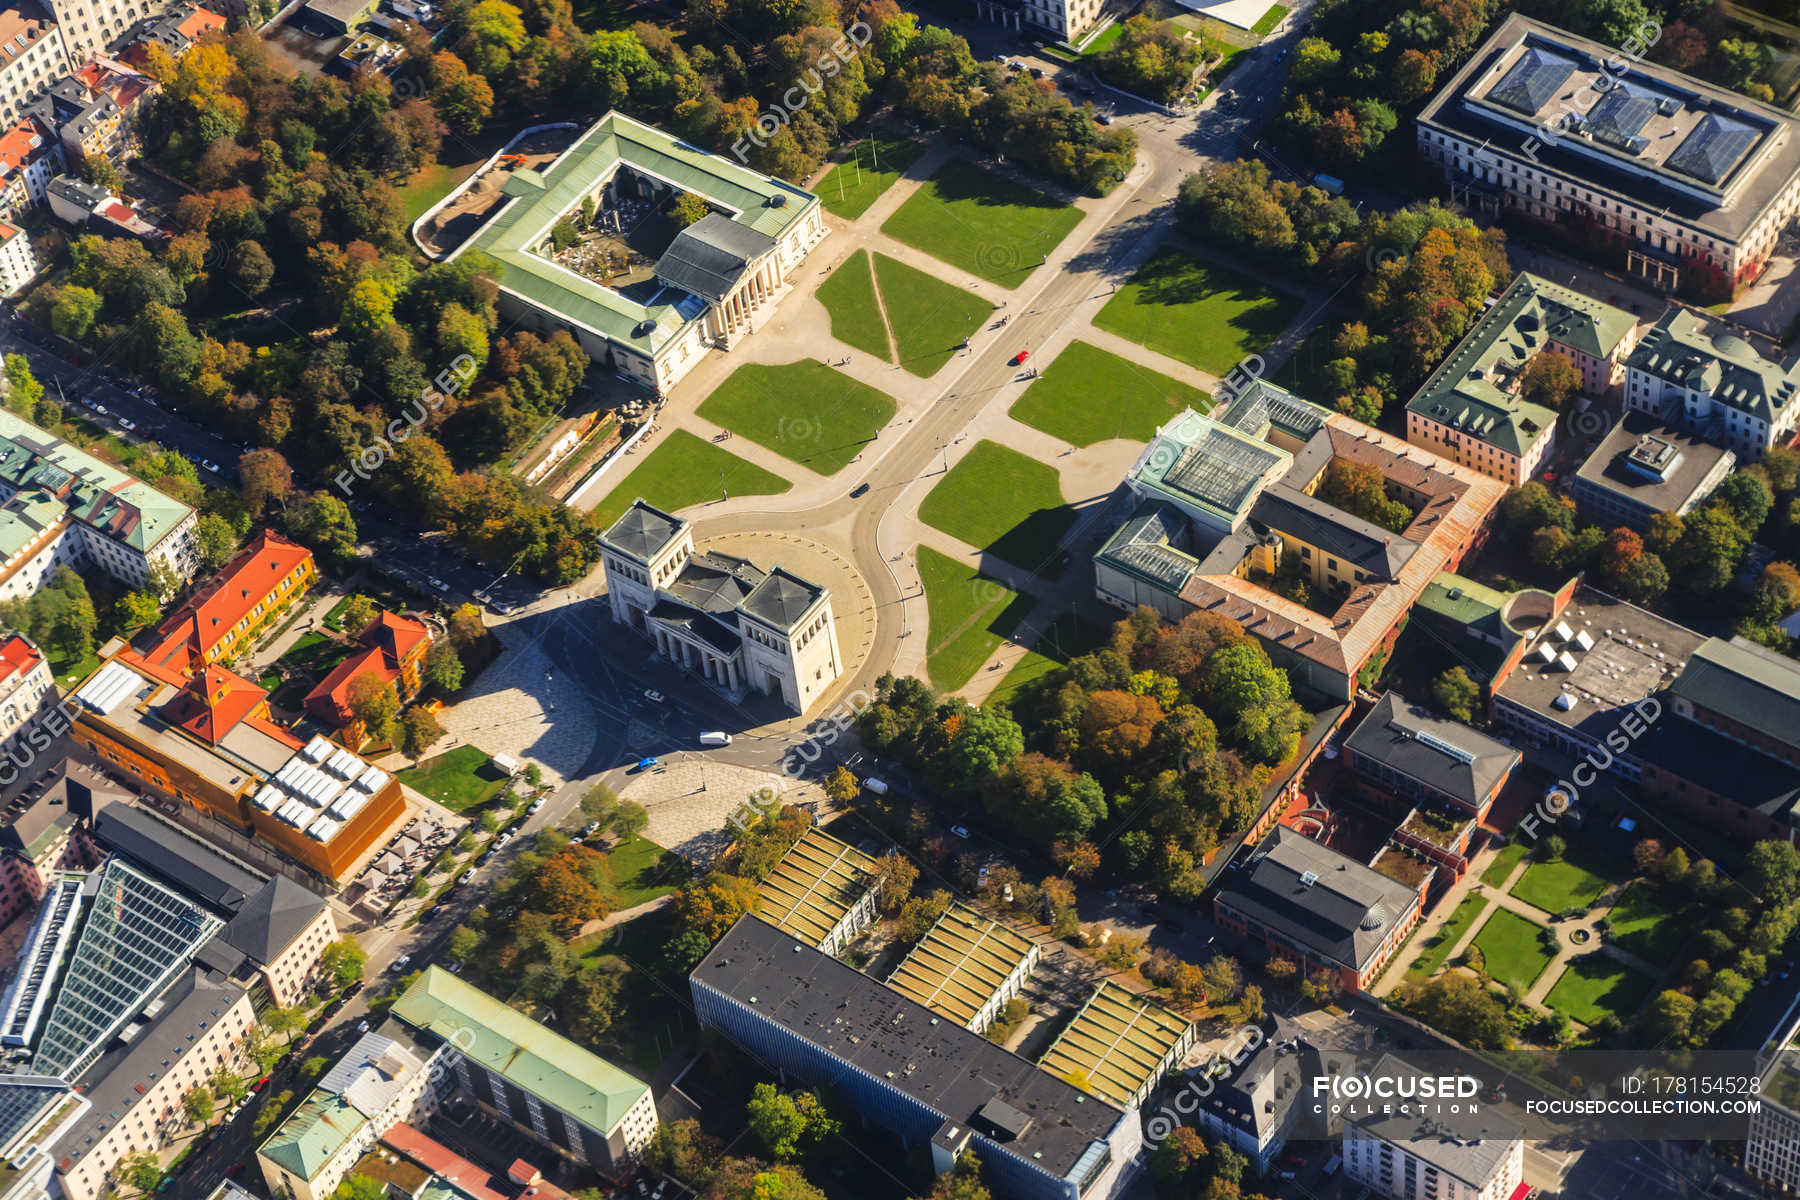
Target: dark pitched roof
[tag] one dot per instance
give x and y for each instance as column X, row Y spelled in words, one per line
column 709, row 257
column 1332, row 905
column 1444, row 755
column 642, row 531
column 272, row 918
column 782, row 598
column 159, row 848
column 1691, row 752
column 716, row 583
column 865, row 1024
column 1334, row 531
column 1751, row 685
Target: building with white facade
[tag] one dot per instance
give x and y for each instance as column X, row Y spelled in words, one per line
column 1772, row 1151
column 1686, row 183
column 1470, row 410
column 1065, row 20
column 30, row 157
column 91, row 27
column 715, row 283
column 26, row 686
column 60, row 504
column 1411, row 1155
column 18, row 265
column 741, row 627
column 1693, row 373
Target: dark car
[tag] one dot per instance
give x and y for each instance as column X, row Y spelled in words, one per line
column 861, row 489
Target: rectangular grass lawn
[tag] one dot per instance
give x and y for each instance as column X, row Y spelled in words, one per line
column 1088, row 395
column 1266, row 23
column 642, row 870
column 804, row 411
column 1509, row 943
column 1437, row 951
column 684, row 470
column 969, row 614
column 875, row 163
column 1554, row 886
column 930, row 319
column 1205, row 316
column 1644, row 925
column 983, row 223
column 457, row 779
column 849, row 300
column 1594, row 986
column 1001, row 501
column 1510, row 856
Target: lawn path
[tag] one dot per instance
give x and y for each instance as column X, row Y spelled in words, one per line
column 881, row 307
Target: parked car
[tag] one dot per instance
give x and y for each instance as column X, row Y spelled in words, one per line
column 127, row 424
column 653, row 696
column 959, row 831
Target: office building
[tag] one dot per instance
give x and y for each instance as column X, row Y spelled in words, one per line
column 565, row 1098
column 966, row 967
column 1642, row 468
column 207, row 741
column 1060, row 20
column 1228, row 501
column 1772, row 1149
column 715, row 283
column 822, row 891
column 1404, row 750
column 60, row 505
column 1327, row 912
column 1683, row 183
column 1263, row 1097
column 1404, row 1155
column 735, row 624
column 1120, row 1046
column 1692, row 373
column 1471, row 411
column 901, row 1066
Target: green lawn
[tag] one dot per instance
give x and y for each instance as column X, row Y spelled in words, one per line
column 1066, row 639
column 430, row 185
column 804, row 411
column 455, row 779
column 1208, row 317
column 1103, row 43
column 1266, row 23
column 643, row 870
column 1437, row 951
column 1004, row 502
column 334, row 620
column 930, row 318
column 685, row 470
column 969, row 614
column 1088, row 395
column 849, row 300
column 983, row 223
column 316, row 653
column 1554, row 886
column 1510, row 856
column 1642, row 924
column 1595, row 985
column 1509, row 943
column 875, row 163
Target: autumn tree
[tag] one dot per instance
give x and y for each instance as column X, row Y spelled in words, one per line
column 895, row 875
column 1456, row 694
column 373, row 702
column 842, row 787
column 1079, row 859
column 1549, row 379
column 418, row 729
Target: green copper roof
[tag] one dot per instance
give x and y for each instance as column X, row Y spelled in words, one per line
column 1705, row 356
column 525, row 1053
column 1473, row 390
column 314, row 1132
column 537, row 199
column 1460, row 599
column 50, row 477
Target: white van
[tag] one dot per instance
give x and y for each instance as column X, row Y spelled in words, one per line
column 715, row 738
column 875, row 785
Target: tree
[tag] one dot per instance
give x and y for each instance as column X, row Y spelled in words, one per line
column 285, row 1021
column 1248, row 1010
column 1552, row 849
column 919, row 914
column 1674, row 867
column 359, row 613
column 215, row 539
column 1712, row 544
column 251, row 268
column 373, row 701
column 841, row 787
column 785, row 1124
column 136, row 610
column 962, row 1182
column 1079, row 859
column 1549, row 379
column 264, row 475
column 197, row 1104
column 141, row 1171
column 1315, row 63
column 628, row 820
column 323, row 523
column 73, row 309
column 1224, row 978
column 1532, row 506
column 343, row 961
column 360, row 1187
column 466, row 627
column 895, row 875
column 1176, row 1158
column 1121, row 951
column 463, row 942
column 1668, row 1018
column 443, row 667
column 1456, row 694
column 1772, row 872
column 23, row 392
column 1647, row 855
column 710, row 906
column 419, row 728
column 1748, row 496
column 687, row 208
column 228, row 1086
column 1461, row 1007
column 1777, row 592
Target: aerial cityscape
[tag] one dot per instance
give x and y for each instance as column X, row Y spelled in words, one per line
column 1016, row 600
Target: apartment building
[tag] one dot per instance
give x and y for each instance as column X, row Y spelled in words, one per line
column 1403, row 1154
column 95, row 27
column 1686, row 184
column 1693, row 373
column 28, row 161
column 32, row 55
column 1470, row 410
column 26, row 687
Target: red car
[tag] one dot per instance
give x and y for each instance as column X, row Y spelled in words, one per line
column 1020, row 357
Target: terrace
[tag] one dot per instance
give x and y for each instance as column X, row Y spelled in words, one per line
column 1433, row 828
column 966, row 967
column 1403, row 868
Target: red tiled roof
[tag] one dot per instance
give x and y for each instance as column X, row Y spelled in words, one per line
column 18, row 656
column 394, row 635
column 387, row 641
column 475, row 1181
column 227, row 598
column 212, row 703
column 19, row 145
column 199, row 22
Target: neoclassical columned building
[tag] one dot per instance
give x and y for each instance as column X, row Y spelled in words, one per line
column 742, row 628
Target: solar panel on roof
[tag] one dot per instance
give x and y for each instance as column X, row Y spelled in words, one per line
column 1533, row 81
column 1713, row 148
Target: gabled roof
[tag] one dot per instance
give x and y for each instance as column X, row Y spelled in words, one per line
column 1746, row 683
column 395, row 635
column 709, row 257
column 1332, row 905
column 531, row 1057
column 389, row 639
column 313, row 1134
column 190, row 634
column 1444, row 755
column 277, row 914
column 212, row 703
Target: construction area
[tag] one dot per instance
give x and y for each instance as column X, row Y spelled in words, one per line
column 441, row 232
